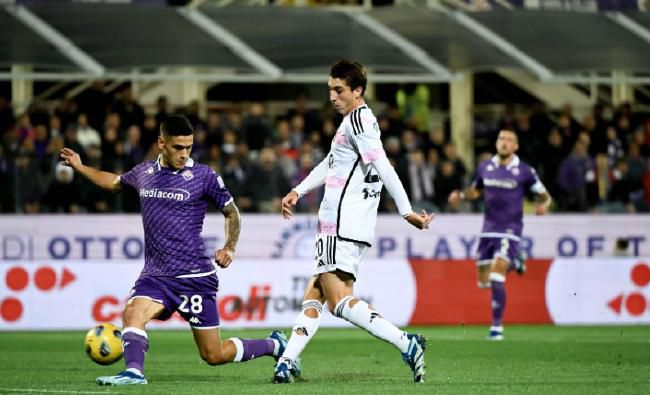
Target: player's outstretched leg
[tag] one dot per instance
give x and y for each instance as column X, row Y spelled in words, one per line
column 304, row 328
column 362, row 315
column 497, row 281
column 135, row 344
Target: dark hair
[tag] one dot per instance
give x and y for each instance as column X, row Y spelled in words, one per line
column 352, row 73
column 176, row 125
column 511, row 130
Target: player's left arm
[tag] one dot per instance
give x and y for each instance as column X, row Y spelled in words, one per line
column 215, row 190
column 366, row 138
column 224, row 256
column 542, row 197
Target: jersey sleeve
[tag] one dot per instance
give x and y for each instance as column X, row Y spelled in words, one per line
column 216, row 190
column 130, row 178
column 533, row 183
column 364, row 134
column 477, row 182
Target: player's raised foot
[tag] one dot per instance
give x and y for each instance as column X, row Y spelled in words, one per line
column 286, row 371
column 414, row 356
column 520, row 263
column 496, row 333
column 126, row 377
column 282, row 340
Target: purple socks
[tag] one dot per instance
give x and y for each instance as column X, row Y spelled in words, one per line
column 248, row 349
column 498, row 301
column 135, row 345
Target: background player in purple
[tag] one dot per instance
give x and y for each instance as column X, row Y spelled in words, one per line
column 177, row 275
column 504, row 180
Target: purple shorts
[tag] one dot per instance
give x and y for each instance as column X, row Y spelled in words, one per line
column 194, row 298
column 495, row 247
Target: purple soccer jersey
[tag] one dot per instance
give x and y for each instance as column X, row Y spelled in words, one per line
column 174, row 203
column 504, row 191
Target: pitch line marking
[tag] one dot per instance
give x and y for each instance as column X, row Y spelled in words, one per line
column 34, row 390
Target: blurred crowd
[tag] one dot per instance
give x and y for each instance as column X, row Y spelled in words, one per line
column 599, row 163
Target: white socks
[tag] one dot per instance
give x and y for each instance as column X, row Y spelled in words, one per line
column 239, row 346
column 304, row 329
column 364, row 317
column 494, row 276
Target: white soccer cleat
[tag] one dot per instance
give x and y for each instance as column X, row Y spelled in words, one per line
column 125, row 377
column 414, row 356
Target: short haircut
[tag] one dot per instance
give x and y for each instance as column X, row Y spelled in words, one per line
column 352, row 73
column 176, row 125
column 511, row 131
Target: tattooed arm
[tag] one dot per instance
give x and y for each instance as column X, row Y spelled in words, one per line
column 224, row 256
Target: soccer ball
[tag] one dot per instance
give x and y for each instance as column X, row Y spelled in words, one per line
column 104, row 344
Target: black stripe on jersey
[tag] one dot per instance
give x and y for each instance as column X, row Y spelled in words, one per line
column 334, row 250
column 328, row 249
column 358, row 116
column 355, row 128
column 355, row 120
column 338, row 211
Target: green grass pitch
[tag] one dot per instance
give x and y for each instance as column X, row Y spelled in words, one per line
column 532, row 359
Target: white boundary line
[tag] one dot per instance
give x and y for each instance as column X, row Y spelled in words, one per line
column 44, row 391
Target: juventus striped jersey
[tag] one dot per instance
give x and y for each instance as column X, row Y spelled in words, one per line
column 352, row 186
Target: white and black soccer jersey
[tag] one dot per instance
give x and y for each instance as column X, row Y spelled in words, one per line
column 352, row 187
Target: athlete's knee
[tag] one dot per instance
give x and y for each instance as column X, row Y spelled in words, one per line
column 134, row 316
column 214, row 356
column 499, row 265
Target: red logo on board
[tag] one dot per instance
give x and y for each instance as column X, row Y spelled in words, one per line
column 635, row 303
column 17, row 279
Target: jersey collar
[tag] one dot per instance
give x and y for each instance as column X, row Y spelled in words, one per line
column 189, row 163
column 513, row 163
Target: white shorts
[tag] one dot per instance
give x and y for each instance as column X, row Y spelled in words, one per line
column 334, row 254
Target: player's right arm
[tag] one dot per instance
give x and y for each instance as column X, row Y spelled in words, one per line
column 103, row 179
column 470, row 193
column 315, row 179
column 389, row 177
column 366, row 138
